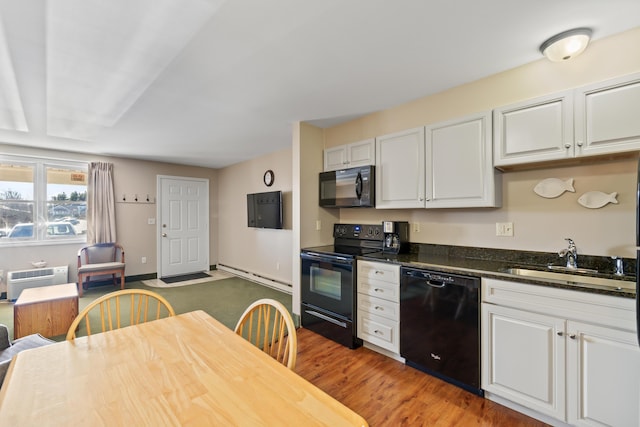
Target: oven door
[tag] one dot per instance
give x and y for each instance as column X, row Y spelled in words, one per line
column 327, row 283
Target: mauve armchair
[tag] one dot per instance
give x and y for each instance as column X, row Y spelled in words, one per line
column 99, row 260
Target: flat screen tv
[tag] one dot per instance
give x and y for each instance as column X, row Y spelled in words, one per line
column 264, row 210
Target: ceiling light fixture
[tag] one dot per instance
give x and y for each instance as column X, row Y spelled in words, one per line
column 566, row 45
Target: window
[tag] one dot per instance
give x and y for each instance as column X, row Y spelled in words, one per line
column 42, row 200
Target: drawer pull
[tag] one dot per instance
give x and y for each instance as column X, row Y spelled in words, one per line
column 377, row 307
column 377, row 332
column 378, row 290
column 379, row 272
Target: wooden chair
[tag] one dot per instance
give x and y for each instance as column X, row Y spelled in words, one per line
column 268, row 325
column 99, row 260
column 138, row 305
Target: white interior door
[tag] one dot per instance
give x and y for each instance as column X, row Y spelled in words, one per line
column 183, row 225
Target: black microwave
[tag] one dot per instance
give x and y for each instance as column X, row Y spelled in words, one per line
column 348, row 188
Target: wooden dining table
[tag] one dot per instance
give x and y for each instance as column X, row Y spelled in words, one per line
column 184, row 370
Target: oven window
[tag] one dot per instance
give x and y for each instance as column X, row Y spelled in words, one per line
column 326, row 282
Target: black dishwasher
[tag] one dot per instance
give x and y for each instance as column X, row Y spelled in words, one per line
column 440, row 325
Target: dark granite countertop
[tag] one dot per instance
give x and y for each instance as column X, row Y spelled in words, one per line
column 494, row 263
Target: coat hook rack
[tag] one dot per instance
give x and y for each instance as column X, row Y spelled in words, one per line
column 136, row 199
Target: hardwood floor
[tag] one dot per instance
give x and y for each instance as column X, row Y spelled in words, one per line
column 388, row 393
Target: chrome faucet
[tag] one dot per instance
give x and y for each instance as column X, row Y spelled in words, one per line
column 618, row 268
column 571, row 253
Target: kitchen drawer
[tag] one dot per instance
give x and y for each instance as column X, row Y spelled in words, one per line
column 605, row 310
column 379, row 331
column 380, row 289
column 382, row 271
column 379, row 307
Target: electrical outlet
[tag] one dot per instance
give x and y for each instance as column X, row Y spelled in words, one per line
column 504, row 229
column 277, row 266
column 144, row 259
column 151, row 221
column 416, row 227
column 318, row 225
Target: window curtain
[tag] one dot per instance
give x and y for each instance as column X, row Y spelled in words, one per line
column 101, row 204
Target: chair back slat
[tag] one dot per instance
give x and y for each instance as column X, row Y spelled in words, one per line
column 112, row 310
column 268, row 325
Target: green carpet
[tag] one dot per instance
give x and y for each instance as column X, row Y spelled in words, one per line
column 224, row 299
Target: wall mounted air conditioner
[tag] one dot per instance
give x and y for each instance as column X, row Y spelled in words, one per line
column 17, row 281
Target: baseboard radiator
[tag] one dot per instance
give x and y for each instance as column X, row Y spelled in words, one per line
column 272, row 283
column 17, row 281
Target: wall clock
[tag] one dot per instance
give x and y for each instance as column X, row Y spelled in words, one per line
column 268, row 178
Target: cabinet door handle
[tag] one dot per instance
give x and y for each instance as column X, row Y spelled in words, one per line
column 560, row 333
column 567, row 146
column 579, row 143
column 572, row 336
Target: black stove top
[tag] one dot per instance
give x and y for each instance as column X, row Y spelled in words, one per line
column 340, row 250
column 351, row 240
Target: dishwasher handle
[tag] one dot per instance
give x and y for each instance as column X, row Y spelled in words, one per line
column 435, row 284
column 433, row 279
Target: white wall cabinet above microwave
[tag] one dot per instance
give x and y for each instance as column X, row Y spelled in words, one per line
column 444, row 165
column 592, row 120
column 400, row 170
column 361, row 153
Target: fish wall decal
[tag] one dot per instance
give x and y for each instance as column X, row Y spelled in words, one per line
column 597, row 199
column 551, row 188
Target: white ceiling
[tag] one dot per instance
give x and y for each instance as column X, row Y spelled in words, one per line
column 214, row 82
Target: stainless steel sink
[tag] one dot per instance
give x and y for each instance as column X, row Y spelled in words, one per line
column 575, row 279
column 570, row 269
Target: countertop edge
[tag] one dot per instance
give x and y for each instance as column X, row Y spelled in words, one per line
column 492, row 271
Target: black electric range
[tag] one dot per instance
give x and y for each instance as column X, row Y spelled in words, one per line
column 328, row 281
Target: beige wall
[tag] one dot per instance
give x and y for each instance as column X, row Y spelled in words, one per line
column 539, row 224
column 134, row 233
column 264, row 252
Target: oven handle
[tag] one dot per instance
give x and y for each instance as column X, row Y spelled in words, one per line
column 327, row 318
column 325, row 257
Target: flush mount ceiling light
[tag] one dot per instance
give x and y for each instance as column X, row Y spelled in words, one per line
column 566, row 45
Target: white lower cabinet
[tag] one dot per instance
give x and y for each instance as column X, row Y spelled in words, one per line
column 568, row 355
column 603, row 371
column 378, row 312
column 525, row 358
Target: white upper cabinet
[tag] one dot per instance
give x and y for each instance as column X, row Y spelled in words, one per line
column 459, row 164
column 400, row 170
column 535, row 130
column 607, row 116
column 359, row 153
column 597, row 119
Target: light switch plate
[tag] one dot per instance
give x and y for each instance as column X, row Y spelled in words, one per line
column 504, row 229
